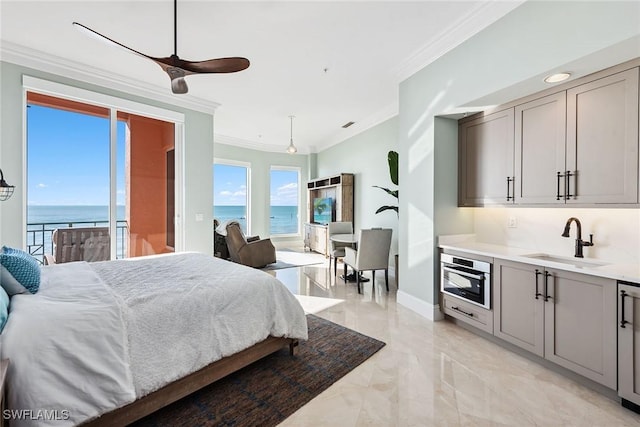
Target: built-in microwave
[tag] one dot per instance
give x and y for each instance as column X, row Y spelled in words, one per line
column 465, row 278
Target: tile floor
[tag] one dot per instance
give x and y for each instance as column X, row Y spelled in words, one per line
column 436, row 374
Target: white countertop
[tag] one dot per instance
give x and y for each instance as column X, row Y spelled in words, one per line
column 611, row 270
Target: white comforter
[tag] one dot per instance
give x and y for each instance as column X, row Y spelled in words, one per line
column 97, row 336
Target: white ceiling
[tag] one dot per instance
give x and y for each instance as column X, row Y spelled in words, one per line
column 327, row 63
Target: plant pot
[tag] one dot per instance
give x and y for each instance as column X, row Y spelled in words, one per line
column 397, row 272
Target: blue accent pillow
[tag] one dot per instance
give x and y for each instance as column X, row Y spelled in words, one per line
column 4, row 308
column 19, row 272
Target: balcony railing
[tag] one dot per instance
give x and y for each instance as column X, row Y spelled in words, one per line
column 39, row 236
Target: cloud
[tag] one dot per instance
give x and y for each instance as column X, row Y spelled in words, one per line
column 226, row 193
column 41, row 185
column 285, row 195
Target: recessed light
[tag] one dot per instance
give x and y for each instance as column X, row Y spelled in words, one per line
column 555, row 78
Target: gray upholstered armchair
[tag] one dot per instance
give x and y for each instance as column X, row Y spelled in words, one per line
column 337, row 248
column 79, row 244
column 372, row 254
column 249, row 251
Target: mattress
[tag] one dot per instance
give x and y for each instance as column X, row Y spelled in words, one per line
column 99, row 335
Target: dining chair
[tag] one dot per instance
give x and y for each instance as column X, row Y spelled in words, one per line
column 372, row 254
column 337, row 248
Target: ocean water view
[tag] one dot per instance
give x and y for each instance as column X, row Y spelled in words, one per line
column 284, row 219
column 42, row 220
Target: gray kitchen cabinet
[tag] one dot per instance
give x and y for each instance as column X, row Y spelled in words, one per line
column 602, row 140
column 565, row 317
column 629, row 343
column 540, row 127
column 518, row 309
column 576, row 146
column 486, row 159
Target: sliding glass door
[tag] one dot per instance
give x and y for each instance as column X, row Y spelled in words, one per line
column 92, row 166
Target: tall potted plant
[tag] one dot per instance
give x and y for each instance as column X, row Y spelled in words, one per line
column 392, row 159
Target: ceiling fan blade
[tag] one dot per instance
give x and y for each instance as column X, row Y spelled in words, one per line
column 96, row 35
column 219, row 65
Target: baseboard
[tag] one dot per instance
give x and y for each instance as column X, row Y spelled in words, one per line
column 423, row 308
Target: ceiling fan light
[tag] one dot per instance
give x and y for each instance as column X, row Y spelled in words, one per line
column 179, row 86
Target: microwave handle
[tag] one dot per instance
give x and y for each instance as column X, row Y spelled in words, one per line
column 463, row 273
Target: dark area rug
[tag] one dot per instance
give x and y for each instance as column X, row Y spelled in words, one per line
column 271, row 389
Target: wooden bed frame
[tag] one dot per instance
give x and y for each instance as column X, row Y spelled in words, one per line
column 192, row 382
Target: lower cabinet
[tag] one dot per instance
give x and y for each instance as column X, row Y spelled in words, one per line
column 316, row 238
column 629, row 343
column 479, row 317
column 565, row 317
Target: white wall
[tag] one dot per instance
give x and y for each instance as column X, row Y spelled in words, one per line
column 532, row 40
column 616, row 232
column 261, row 163
column 198, row 192
column 365, row 156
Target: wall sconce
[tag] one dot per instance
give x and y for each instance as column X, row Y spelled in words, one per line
column 6, row 190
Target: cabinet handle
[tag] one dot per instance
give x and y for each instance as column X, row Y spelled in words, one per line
column 509, row 181
column 567, row 180
column 546, row 286
column 622, row 321
column 462, row 311
column 560, row 175
column 538, row 273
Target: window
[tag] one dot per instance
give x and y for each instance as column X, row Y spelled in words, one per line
column 230, row 195
column 285, row 201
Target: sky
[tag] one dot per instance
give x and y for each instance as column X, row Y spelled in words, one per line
column 68, row 158
column 68, row 164
column 230, row 186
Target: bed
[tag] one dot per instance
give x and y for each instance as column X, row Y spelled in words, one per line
column 107, row 343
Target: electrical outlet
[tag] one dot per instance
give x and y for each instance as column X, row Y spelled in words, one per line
column 512, row 222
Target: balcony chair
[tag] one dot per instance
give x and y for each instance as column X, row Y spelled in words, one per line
column 251, row 251
column 372, row 254
column 337, row 248
column 79, row 244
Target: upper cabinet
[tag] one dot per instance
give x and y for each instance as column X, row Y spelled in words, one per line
column 576, row 146
column 486, row 159
column 540, row 149
column 602, row 140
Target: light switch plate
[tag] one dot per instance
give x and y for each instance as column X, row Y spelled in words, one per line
column 199, row 217
column 512, row 222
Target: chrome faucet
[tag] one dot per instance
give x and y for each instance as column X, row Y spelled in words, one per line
column 579, row 242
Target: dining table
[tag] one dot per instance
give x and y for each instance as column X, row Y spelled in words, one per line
column 352, row 239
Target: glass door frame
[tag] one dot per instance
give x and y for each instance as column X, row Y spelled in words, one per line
column 114, row 104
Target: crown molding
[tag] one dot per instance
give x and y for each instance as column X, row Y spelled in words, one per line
column 253, row 145
column 42, row 61
column 464, row 28
column 370, row 121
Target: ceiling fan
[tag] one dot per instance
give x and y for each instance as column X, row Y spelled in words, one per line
column 175, row 67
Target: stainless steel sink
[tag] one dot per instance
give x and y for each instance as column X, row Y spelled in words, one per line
column 578, row 262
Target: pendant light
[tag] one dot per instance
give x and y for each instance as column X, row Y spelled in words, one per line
column 291, row 149
column 6, row 190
